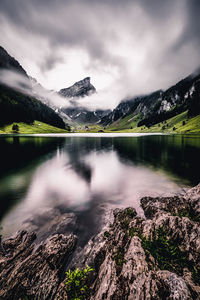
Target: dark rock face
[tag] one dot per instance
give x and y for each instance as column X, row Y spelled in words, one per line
column 10, row 63
column 81, row 88
column 133, row 258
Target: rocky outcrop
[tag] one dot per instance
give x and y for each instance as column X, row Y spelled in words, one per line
column 156, row 257
column 81, row 88
column 153, row 258
column 29, row 271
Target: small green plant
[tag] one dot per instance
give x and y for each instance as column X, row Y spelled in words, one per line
column 118, row 257
column 168, row 255
column 106, row 234
column 189, row 214
column 76, row 282
column 125, row 217
column 133, row 231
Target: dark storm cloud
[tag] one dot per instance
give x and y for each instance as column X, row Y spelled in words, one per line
column 83, row 23
column 149, row 41
column 192, row 24
column 50, row 62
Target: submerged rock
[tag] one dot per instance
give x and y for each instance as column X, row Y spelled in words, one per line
column 134, row 258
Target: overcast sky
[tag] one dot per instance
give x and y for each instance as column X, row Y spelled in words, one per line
column 127, row 47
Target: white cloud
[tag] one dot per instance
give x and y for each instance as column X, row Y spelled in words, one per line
column 127, row 48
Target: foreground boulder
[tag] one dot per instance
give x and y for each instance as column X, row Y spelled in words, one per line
column 27, row 271
column 156, row 257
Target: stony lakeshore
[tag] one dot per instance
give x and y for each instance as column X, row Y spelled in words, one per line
column 156, row 257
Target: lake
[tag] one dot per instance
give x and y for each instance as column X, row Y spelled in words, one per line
column 84, row 176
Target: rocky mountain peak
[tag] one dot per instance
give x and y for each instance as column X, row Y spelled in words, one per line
column 81, row 88
column 85, row 82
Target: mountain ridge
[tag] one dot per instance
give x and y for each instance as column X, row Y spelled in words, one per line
column 10, row 63
column 16, row 106
column 160, row 105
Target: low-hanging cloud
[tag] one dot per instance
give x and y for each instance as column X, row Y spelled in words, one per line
column 128, row 47
column 30, row 87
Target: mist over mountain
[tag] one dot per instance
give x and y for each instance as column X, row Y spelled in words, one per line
column 34, row 102
column 160, row 105
column 78, row 112
column 17, row 103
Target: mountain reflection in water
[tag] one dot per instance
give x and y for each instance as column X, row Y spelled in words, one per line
column 89, row 176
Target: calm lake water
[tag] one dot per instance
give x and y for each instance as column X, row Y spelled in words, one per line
column 88, row 175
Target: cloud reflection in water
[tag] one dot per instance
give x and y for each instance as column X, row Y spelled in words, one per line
column 89, row 183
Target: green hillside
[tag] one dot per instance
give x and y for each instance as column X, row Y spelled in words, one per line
column 36, row 127
column 18, row 107
column 129, row 122
column 178, row 124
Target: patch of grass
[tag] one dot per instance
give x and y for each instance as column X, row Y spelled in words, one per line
column 106, row 234
column 76, row 283
column 168, row 255
column 126, row 216
column 36, row 127
column 189, row 214
column 118, row 257
column 130, row 212
column 129, row 122
column 133, row 231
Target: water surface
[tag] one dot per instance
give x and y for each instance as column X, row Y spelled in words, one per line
column 45, row 176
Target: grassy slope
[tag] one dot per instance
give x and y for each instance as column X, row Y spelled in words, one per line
column 30, row 129
column 191, row 125
column 125, row 123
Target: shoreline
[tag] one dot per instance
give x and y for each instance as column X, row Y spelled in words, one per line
column 98, row 134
